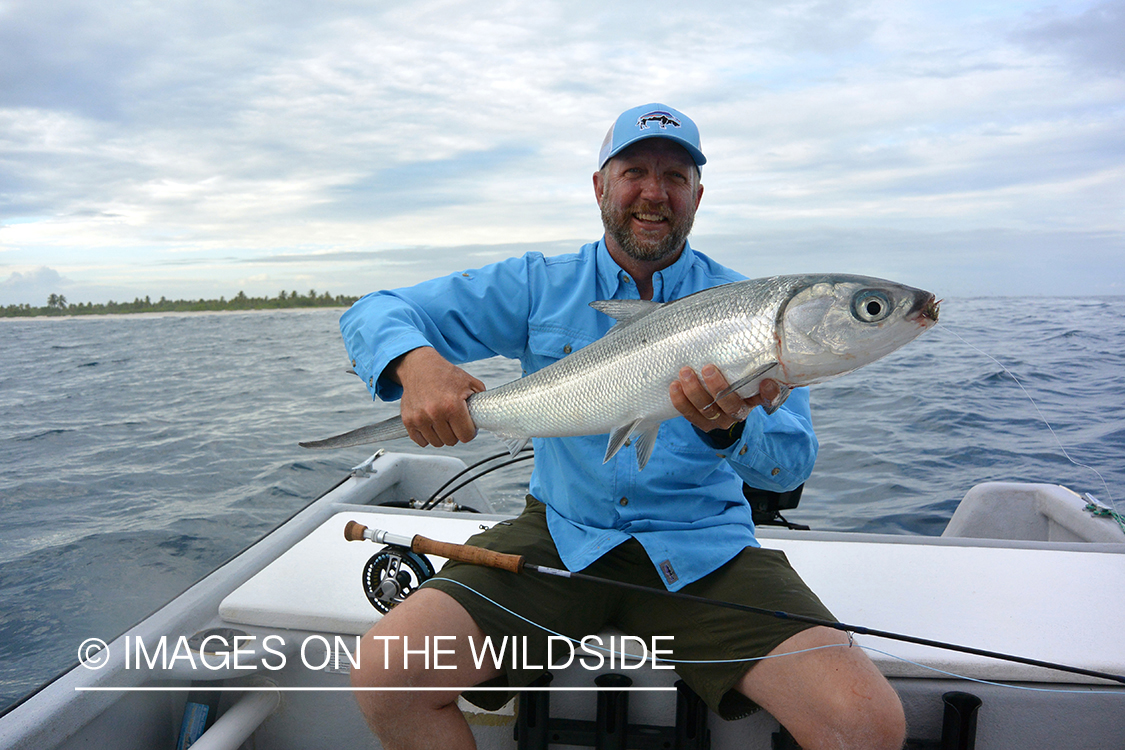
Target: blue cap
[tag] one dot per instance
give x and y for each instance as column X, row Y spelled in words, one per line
column 651, row 121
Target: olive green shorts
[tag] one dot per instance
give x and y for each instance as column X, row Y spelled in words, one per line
column 728, row 638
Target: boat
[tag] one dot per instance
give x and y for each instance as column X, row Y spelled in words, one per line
column 263, row 642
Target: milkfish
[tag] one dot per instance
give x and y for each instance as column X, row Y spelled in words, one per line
column 795, row 330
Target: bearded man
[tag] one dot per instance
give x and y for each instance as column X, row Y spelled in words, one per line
column 681, row 523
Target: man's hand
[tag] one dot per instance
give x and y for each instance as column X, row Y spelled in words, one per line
column 695, row 399
column 434, row 394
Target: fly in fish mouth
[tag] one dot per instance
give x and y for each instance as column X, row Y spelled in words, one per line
column 930, row 309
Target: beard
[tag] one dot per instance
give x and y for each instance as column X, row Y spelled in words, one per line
column 617, row 225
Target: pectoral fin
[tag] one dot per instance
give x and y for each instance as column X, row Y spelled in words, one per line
column 617, row 439
column 782, row 394
column 644, row 445
column 760, row 372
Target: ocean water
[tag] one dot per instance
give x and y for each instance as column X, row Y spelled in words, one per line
column 137, row 453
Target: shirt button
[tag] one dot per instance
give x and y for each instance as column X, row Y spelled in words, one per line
column 567, row 349
column 623, row 501
column 371, row 381
column 775, row 471
column 626, row 279
column 743, row 451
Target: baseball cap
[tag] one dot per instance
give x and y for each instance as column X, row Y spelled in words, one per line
column 651, row 121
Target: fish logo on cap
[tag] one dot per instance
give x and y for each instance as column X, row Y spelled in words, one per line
column 642, row 122
column 664, row 118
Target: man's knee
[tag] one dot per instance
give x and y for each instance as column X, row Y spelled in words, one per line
column 866, row 721
column 827, row 693
column 392, row 655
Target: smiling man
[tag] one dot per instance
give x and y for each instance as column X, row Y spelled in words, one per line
column 681, row 523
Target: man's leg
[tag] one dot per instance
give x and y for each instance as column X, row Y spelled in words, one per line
column 829, row 698
column 419, row 719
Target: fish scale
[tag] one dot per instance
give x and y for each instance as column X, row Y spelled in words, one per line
column 625, row 376
column 797, row 330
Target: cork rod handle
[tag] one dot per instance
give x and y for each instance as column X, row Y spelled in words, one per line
column 357, row 532
column 468, row 554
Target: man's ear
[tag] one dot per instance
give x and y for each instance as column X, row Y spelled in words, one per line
column 598, row 186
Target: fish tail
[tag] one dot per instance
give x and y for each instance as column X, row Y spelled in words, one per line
column 388, row 429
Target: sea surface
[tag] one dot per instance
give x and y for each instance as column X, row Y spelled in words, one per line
column 137, row 453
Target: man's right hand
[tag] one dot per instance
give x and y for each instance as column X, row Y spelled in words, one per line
column 434, row 396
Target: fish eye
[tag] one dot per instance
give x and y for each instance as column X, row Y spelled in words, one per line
column 870, row 306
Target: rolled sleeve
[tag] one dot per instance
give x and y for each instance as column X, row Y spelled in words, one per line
column 776, row 451
column 465, row 316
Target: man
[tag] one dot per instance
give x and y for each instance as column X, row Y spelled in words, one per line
column 682, row 522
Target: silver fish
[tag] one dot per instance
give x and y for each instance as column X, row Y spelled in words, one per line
column 796, row 330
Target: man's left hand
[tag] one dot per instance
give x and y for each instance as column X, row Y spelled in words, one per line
column 694, row 396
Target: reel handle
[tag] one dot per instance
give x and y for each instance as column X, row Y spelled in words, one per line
column 357, row 532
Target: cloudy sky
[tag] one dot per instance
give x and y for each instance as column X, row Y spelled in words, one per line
column 195, row 149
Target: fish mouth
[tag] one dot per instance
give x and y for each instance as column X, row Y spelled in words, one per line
column 926, row 310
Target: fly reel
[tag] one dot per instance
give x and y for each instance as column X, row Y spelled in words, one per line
column 392, row 574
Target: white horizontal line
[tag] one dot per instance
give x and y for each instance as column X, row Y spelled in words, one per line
column 249, row 689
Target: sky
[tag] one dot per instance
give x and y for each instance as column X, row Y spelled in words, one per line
column 198, row 149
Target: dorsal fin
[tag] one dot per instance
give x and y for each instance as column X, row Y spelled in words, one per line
column 625, row 311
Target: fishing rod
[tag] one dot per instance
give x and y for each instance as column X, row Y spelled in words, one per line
column 420, row 545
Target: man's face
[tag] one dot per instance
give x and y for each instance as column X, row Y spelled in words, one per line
column 648, row 195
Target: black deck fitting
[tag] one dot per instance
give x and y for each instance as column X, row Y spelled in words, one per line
column 610, row 730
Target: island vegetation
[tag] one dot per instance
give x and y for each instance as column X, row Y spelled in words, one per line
column 57, row 304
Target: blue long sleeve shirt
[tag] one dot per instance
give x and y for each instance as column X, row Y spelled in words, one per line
column 686, row 507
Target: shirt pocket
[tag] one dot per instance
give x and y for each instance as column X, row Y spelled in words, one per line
column 547, row 344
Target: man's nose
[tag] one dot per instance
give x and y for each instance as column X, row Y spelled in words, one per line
column 653, row 189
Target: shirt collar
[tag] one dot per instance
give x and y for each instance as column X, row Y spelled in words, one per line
column 664, row 283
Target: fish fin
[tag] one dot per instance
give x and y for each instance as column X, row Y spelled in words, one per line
column 644, row 445
column 782, row 394
column 746, row 380
column 388, row 429
column 617, row 439
column 515, row 445
column 625, row 311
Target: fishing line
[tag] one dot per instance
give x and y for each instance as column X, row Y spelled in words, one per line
column 623, row 654
column 979, row 681
column 517, row 564
column 945, row 327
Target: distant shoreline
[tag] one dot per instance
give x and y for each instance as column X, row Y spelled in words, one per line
column 166, row 313
column 58, row 307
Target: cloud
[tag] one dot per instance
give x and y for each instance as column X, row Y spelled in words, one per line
column 32, row 287
column 1093, row 38
column 172, row 145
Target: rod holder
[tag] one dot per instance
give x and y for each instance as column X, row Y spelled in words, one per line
column 533, row 721
column 959, row 724
column 611, row 728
